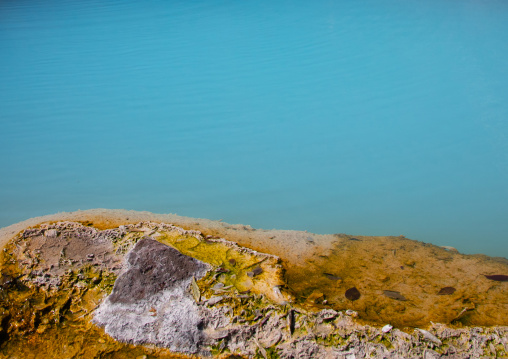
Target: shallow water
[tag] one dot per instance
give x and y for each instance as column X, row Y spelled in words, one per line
column 374, row 117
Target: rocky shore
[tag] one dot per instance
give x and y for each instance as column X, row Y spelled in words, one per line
column 74, row 289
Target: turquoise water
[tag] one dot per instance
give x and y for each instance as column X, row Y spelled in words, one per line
column 363, row 117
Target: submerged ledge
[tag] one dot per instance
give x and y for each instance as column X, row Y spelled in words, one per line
column 263, row 293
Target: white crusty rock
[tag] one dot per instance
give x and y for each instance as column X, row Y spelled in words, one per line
column 387, row 328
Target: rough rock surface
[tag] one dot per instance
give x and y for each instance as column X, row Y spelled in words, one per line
column 50, row 251
column 152, row 268
column 150, row 302
column 337, row 262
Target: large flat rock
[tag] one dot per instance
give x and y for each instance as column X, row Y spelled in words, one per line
column 150, row 302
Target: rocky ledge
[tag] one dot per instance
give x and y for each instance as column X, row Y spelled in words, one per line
column 154, row 289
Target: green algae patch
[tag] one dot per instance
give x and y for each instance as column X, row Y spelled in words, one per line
column 241, row 268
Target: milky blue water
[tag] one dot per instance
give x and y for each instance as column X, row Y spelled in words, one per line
column 375, row 117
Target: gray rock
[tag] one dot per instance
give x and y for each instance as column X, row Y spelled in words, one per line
column 152, row 268
column 151, row 303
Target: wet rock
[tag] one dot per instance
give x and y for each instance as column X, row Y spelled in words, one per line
column 351, row 313
column 394, row 295
column 256, row 271
column 498, row 277
column 446, row 291
column 332, row 276
column 353, row 294
column 278, row 294
column 6, row 281
column 316, row 297
column 291, row 321
column 387, row 328
column 221, row 270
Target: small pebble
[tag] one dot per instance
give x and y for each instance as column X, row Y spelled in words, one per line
column 258, row 270
column 498, row 277
column 351, row 313
column 332, row 276
column 394, row 295
column 352, row 294
column 387, row 328
column 446, row 291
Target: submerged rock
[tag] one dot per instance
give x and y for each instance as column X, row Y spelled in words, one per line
column 446, row 291
column 498, row 277
column 394, row 295
column 332, row 276
column 353, row 294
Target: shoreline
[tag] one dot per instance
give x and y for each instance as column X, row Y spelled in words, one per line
column 285, row 242
column 330, row 264
column 359, row 284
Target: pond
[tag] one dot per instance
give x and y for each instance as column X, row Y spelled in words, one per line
column 362, row 117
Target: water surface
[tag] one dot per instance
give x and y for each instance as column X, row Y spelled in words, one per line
column 371, row 117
